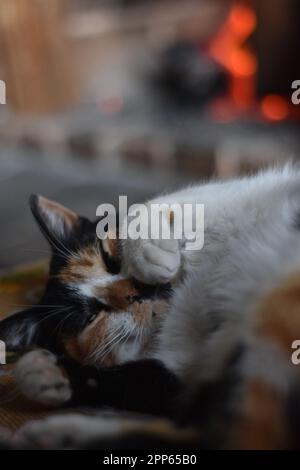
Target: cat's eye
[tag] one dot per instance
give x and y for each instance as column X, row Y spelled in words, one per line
column 94, row 305
column 92, row 317
column 135, row 298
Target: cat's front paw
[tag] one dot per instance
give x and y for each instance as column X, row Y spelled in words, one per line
column 152, row 261
column 65, row 431
column 41, row 380
column 147, row 255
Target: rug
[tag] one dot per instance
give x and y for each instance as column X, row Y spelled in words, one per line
column 19, row 288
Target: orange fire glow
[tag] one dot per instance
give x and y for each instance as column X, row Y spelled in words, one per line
column 242, row 21
column 229, row 49
column 274, row 108
column 242, row 63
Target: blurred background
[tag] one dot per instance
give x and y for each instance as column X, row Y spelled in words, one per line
column 111, row 97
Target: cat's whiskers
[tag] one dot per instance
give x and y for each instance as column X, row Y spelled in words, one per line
column 61, row 247
column 48, row 252
column 113, row 346
column 138, row 337
column 101, row 349
column 124, row 338
column 63, row 254
column 113, row 338
column 71, row 253
column 35, row 306
column 62, row 321
column 52, row 314
column 43, row 251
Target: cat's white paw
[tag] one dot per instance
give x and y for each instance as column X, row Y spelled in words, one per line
column 148, row 258
column 65, row 431
column 41, row 380
column 152, row 261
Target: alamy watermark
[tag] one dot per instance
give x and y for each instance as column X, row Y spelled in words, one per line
column 2, row 92
column 295, row 357
column 154, row 221
column 296, row 94
column 2, row 353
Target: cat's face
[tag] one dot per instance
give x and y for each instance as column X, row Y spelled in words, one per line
column 89, row 309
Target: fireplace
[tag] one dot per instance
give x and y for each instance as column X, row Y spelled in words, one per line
column 195, row 88
column 257, row 45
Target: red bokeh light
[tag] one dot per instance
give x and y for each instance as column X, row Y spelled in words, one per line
column 274, row 108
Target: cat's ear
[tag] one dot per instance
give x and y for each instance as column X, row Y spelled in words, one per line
column 20, row 330
column 55, row 221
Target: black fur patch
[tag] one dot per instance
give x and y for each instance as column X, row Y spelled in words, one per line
column 142, row 386
column 61, row 313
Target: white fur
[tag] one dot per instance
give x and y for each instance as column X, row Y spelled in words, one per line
column 89, row 287
column 251, row 244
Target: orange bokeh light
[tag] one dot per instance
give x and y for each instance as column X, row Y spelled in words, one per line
column 242, row 21
column 274, row 108
column 243, row 63
column 230, row 49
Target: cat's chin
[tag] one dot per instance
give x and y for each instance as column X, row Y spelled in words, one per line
column 130, row 351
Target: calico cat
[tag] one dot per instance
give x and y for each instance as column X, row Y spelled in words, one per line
column 90, row 313
column 85, row 286
column 221, row 353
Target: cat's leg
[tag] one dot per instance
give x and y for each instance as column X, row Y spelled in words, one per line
column 144, row 386
column 103, row 432
column 65, row 431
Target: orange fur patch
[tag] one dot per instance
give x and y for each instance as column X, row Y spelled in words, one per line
column 142, row 312
column 262, row 423
column 112, row 247
column 86, row 264
column 119, row 293
column 82, row 347
column 278, row 315
column 163, row 429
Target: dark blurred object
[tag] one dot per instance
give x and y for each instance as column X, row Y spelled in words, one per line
column 137, row 152
column 188, row 77
column 83, row 146
column 277, row 44
column 193, row 161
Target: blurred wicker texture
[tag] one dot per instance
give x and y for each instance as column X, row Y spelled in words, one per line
column 34, row 55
